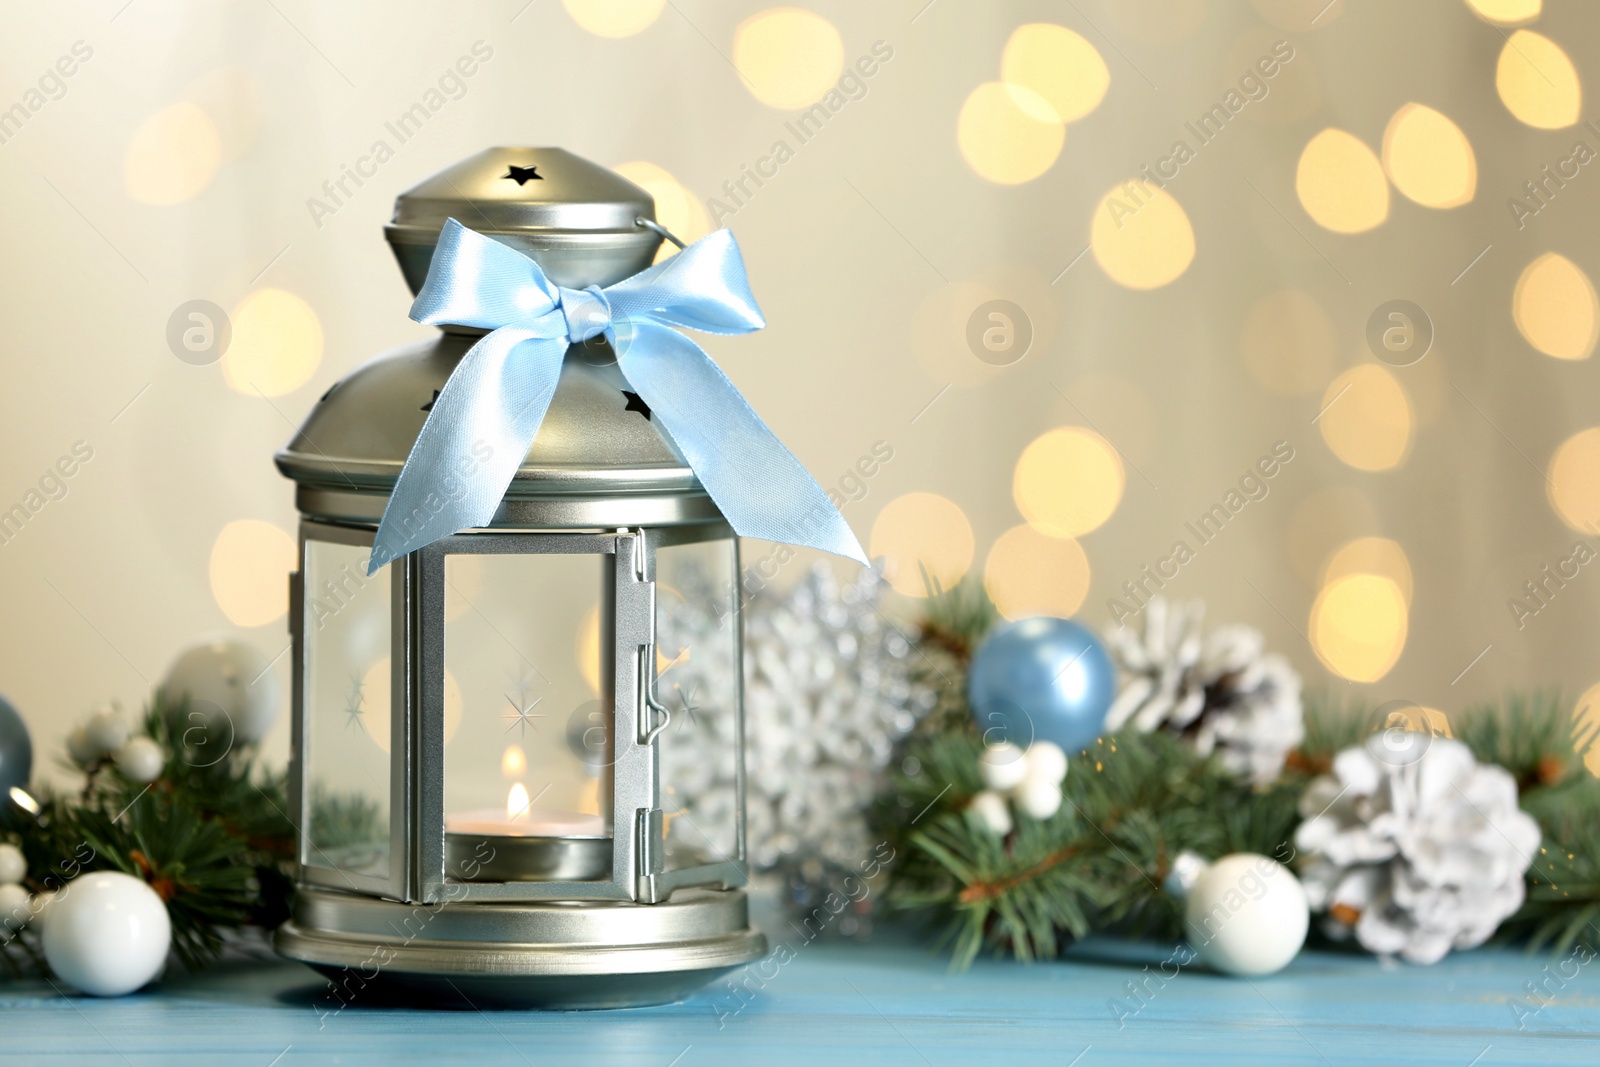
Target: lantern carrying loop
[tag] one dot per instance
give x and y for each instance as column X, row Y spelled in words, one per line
column 659, row 230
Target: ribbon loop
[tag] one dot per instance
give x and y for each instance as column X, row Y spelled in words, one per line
column 489, row 411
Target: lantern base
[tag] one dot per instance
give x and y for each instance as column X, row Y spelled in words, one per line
column 565, row 955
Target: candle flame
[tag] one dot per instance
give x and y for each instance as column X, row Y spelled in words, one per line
column 517, row 802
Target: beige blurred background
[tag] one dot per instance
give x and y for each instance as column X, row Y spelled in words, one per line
column 1176, row 336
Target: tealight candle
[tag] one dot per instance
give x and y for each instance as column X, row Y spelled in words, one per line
column 523, row 843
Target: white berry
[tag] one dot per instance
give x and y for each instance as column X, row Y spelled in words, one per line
column 12, row 866
column 106, row 730
column 141, row 760
column 1003, row 766
column 991, row 810
column 1039, row 797
column 1046, row 760
column 1246, row 914
column 80, row 748
column 14, row 910
column 108, row 934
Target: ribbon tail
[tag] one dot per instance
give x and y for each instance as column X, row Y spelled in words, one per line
column 475, row 438
column 755, row 481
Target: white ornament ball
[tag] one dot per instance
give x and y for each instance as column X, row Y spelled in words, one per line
column 13, row 868
column 1002, row 766
column 991, row 810
column 1039, row 797
column 14, row 908
column 1046, row 760
column 106, row 731
column 1246, row 914
column 231, row 693
column 141, row 760
column 108, row 934
column 82, row 750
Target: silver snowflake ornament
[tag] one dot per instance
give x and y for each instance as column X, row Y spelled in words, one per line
column 830, row 687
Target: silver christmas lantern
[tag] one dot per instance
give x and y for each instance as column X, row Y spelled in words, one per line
column 484, row 807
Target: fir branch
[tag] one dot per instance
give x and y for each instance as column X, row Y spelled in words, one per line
column 1132, row 802
column 1563, row 901
column 1526, row 734
column 191, row 862
column 1563, row 890
column 979, row 890
column 957, row 618
column 1129, row 805
column 339, row 821
column 209, row 836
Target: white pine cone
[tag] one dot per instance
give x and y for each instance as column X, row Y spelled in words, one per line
column 1415, row 859
column 1217, row 690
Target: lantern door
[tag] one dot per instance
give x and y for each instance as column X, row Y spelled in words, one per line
column 695, row 835
column 350, row 725
column 545, row 701
column 519, row 769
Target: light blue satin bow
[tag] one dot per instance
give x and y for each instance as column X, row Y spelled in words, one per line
column 487, row 414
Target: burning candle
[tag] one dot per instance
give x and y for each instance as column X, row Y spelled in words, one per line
column 524, row 843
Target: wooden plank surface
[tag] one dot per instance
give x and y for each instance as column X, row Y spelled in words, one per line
column 888, row 1002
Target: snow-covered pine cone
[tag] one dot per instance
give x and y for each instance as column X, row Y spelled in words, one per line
column 1216, row 690
column 1415, row 858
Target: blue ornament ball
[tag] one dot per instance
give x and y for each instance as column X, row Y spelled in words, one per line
column 16, row 751
column 1041, row 679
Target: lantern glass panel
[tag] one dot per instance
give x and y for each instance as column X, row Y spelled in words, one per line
column 347, row 723
column 698, row 680
column 527, row 701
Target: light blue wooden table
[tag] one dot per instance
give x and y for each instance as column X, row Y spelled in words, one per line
column 888, row 1002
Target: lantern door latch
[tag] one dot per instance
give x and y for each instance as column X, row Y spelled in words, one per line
column 657, row 716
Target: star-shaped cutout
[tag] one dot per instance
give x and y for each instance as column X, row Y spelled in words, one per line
column 523, row 175
column 636, row 403
column 521, row 715
column 354, row 715
column 689, row 707
column 431, row 401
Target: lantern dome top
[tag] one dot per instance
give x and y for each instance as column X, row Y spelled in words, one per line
column 599, row 460
column 577, row 219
